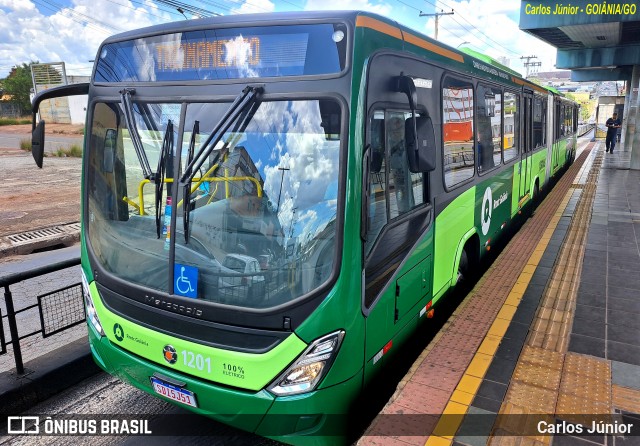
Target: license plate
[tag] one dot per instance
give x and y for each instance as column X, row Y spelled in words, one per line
column 174, row 393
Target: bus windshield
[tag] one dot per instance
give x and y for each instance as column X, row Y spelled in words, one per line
column 261, row 208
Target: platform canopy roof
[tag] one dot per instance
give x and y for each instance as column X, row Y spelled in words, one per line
column 596, row 41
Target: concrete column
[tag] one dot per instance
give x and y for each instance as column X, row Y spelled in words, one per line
column 633, row 130
column 625, row 120
column 630, row 106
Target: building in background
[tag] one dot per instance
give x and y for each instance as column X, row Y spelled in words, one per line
column 67, row 110
column 598, row 42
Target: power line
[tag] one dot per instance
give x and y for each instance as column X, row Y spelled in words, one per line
column 473, row 35
column 200, row 12
column 160, row 8
column 410, row 6
column 84, row 22
column 474, row 27
column 136, row 9
column 416, row 9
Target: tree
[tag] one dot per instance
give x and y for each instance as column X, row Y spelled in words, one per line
column 18, row 85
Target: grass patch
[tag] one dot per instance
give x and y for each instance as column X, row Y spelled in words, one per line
column 74, row 151
column 70, row 131
column 14, row 121
column 25, row 144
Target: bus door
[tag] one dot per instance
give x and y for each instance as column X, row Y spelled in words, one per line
column 397, row 213
column 525, row 163
column 558, row 132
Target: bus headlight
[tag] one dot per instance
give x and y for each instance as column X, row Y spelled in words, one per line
column 305, row 374
column 91, row 310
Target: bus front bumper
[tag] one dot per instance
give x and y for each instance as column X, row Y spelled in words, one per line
column 313, row 418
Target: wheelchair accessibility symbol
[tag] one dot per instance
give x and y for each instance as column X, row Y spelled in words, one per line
column 185, row 280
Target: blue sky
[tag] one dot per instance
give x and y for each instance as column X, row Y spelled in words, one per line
column 71, row 30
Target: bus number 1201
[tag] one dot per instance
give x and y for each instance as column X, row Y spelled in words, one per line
column 196, row 361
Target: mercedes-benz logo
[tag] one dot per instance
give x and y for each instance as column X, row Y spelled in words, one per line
column 170, row 354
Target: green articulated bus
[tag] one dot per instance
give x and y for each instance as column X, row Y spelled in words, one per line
column 273, row 203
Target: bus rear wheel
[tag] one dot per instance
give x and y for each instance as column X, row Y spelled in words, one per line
column 467, row 267
column 464, row 269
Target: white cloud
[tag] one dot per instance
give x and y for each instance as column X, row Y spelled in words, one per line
column 27, row 34
column 489, row 16
column 254, row 6
column 361, row 5
column 71, row 35
column 307, row 164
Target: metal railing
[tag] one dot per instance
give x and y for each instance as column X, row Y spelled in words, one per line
column 584, row 129
column 59, row 310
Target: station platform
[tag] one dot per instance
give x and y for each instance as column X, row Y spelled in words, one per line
column 548, row 341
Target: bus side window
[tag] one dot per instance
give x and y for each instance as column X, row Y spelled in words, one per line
column 488, row 130
column 457, row 129
column 377, row 180
column 511, row 121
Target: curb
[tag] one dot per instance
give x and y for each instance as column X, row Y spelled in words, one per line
column 46, row 376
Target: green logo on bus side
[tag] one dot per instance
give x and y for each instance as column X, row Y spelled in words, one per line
column 118, row 331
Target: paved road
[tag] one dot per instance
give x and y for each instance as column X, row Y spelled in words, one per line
column 52, row 142
column 104, row 394
column 35, row 198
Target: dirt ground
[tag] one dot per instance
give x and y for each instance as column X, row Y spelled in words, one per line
column 33, row 198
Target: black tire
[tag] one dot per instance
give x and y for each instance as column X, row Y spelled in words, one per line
column 464, row 273
column 536, row 196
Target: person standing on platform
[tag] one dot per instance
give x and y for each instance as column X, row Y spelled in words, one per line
column 613, row 124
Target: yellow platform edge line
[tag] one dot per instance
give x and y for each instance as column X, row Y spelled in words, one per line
column 470, row 382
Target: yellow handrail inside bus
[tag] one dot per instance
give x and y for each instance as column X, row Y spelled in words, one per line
column 132, row 203
column 199, row 181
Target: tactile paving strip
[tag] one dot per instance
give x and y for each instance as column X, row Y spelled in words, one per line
column 506, row 440
column 542, row 357
column 547, row 379
column 518, row 423
column 587, row 365
column 537, row 375
column 552, row 325
column 625, row 398
column 532, row 398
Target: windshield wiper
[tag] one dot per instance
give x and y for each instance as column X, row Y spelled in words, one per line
column 165, row 156
column 244, row 116
column 186, row 199
column 248, row 96
column 125, row 100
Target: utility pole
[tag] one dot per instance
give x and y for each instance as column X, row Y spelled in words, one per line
column 528, row 64
column 283, row 169
column 437, row 16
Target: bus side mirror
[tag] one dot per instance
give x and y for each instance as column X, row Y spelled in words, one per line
column 421, row 146
column 37, row 143
column 404, row 84
column 419, row 136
